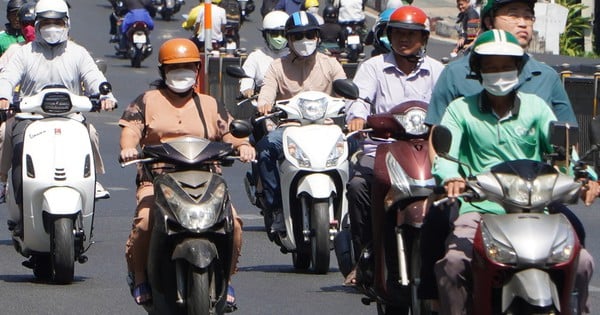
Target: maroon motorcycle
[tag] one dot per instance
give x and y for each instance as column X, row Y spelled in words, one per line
column 388, row 269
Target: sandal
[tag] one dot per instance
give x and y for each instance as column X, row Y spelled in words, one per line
column 350, row 280
column 142, row 294
column 230, row 305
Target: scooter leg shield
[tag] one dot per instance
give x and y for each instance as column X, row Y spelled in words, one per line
column 62, row 201
column 198, row 252
column 534, row 286
column 317, row 185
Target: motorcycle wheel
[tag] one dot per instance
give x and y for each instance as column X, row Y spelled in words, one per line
column 320, row 246
column 301, row 258
column 136, row 60
column 417, row 306
column 200, row 292
column 383, row 309
column 62, row 251
column 166, row 16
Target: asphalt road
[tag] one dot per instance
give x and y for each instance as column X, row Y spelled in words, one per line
column 266, row 282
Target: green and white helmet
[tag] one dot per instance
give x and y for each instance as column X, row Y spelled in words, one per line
column 495, row 43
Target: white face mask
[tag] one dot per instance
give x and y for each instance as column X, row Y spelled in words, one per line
column 305, row 47
column 500, row 83
column 53, row 34
column 180, row 80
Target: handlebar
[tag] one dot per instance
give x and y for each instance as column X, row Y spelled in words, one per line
column 467, row 195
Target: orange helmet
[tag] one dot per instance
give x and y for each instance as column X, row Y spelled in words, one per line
column 178, row 50
column 409, row 17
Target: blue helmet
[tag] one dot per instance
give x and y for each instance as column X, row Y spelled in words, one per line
column 380, row 39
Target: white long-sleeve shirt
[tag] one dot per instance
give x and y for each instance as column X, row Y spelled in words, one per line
column 256, row 66
column 37, row 64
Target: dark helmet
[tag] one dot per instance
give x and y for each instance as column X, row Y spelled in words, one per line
column 14, row 5
column 330, row 13
column 301, row 21
column 493, row 5
column 27, row 13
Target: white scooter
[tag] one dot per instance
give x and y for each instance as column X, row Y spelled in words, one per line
column 55, row 183
column 313, row 177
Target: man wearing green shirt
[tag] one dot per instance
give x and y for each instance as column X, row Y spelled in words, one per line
column 12, row 33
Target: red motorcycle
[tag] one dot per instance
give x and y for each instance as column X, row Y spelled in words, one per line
column 388, row 269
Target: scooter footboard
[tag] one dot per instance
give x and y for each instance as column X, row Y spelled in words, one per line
column 198, row 252
column 62, row 201
column 317, row 185
column 534, row 286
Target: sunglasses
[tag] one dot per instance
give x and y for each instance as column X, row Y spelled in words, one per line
column 307, row 35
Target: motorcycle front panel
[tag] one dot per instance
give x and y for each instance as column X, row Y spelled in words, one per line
column 57, row 152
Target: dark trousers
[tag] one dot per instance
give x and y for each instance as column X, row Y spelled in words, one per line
column 359, row 203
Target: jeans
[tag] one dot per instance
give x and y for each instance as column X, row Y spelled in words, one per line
column 270, row 150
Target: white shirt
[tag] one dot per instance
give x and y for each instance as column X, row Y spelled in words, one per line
column 219, row 18
column 256, row 66
column 351, row 11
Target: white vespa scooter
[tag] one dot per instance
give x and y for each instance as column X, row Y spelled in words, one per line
column 53, row 224
column 313, row 177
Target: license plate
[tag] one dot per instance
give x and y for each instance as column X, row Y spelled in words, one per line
column 139, row 38
column 231, row 45
column 353, row 40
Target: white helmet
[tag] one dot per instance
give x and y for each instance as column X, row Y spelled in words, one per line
column 51, row 9
column 275, row 20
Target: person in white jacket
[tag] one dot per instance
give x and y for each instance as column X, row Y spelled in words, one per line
column 259, row 60
column 50, row 59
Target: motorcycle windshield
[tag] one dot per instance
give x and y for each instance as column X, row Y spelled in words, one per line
column 188, row 150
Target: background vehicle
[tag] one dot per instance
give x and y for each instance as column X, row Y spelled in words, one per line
column 167, row 8
column 190, row 250
column 55, row 184
column 137, row 44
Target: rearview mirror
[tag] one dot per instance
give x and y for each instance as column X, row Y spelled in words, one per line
column 562, row 133
column 236, row 71
column 346, row 88
column 441, row 139
column 240, row 128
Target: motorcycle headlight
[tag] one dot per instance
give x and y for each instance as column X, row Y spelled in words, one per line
column 297, row 153
column 336, row 152
column 312, row 109
column 497, row 251
column 196, row 216
column 525, row 193
column 562, row 251
column 413, row 121
column 56, row 103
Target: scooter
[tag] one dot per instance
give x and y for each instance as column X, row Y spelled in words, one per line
column 389, row 267
column 246, row 7
column 190, row 253
column 313, row 179
column 353, row 52
column 167, row 8
column 137, row 46
column 51, row 195
column 524, row 262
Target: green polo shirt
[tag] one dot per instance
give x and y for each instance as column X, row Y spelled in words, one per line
column 7, row 39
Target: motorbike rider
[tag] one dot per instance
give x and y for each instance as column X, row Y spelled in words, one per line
column 352, row 13
column 26, row 17
column 12, row 33
column 289, row 6
column 30, row 67
column 516, row 17
column 303, row 69
column 476, row 122
column 333, row 36
column 405, row 73
column 218, row 18
column 119, row 11
column 259, row 60
column 377, row 36
column 178, row 111
column 138, row 10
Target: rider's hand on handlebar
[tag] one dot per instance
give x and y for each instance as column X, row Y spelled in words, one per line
column 589, row 192
column 4, row 104
column 264, row 109
column 108, row 103
column 356, row 124
column 247, row 153
column 454, row 187
column 129, row 154
column 248, row 93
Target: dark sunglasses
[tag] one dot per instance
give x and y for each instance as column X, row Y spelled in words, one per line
column 307, row 35
column 276, row 33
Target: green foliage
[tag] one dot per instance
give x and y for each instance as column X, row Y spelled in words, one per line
column 571, row 41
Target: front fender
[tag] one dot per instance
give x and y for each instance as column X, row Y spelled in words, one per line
column 62, row 201
column 317, row 185
column 198, row 252
column 534, row 286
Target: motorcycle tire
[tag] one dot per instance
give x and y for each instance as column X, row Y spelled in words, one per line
column 319, row 243
column 166, row 16
column 62, row 250
column 200, row 290
column 136, row 60
column 383, row 309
